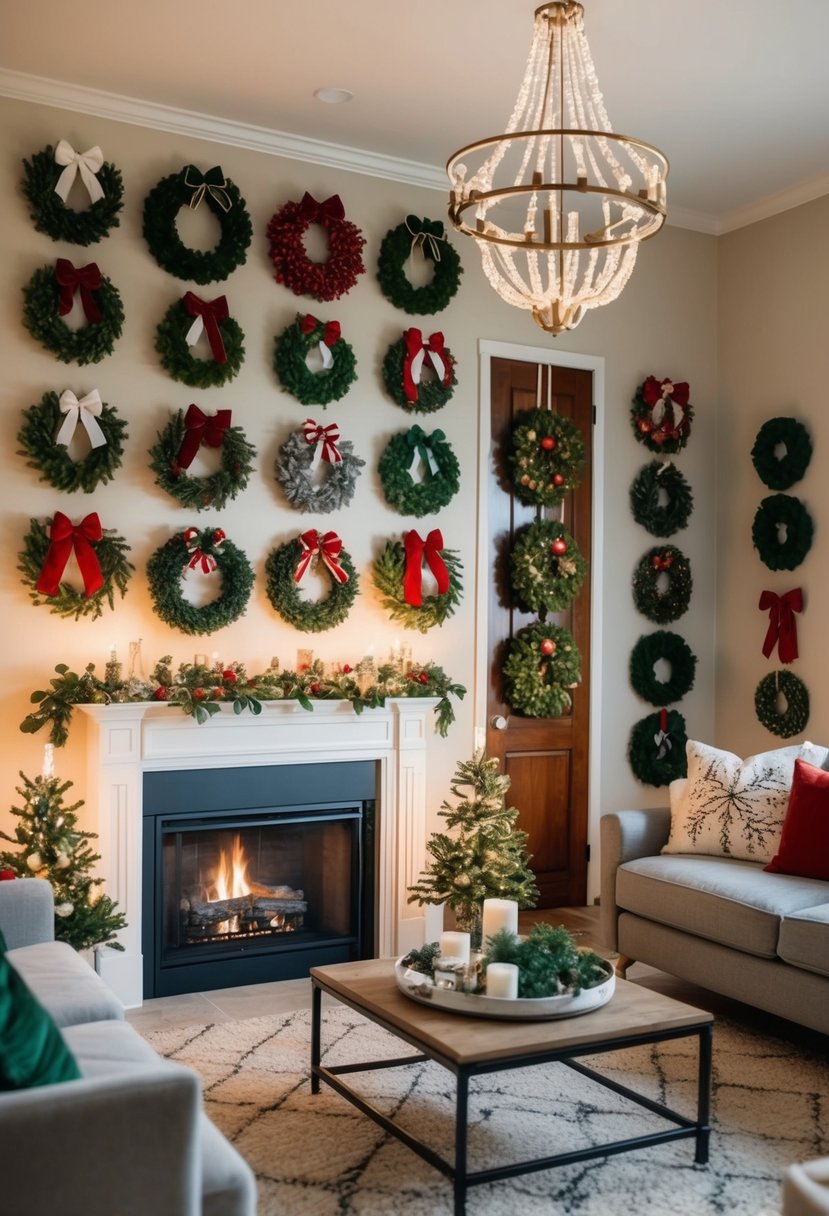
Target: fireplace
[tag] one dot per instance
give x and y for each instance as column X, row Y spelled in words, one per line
column 255, row 874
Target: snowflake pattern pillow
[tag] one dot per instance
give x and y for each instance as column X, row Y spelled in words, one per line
column 731, row 807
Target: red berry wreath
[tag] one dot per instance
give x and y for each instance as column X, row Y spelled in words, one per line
column 321, row 280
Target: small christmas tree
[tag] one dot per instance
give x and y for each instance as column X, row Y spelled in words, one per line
column 53, row 847
column 486, row 858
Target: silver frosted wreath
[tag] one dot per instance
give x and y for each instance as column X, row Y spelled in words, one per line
column 300, row 455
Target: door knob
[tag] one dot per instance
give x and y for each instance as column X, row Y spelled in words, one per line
column 498, row 722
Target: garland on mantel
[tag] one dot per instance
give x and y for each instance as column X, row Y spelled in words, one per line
column 200, row 691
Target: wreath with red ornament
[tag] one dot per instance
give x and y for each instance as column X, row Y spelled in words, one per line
column 546, row 456
column 542, row 666
column 661, row 415
column 323, row 281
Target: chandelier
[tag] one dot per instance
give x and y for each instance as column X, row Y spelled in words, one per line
column 558, row 204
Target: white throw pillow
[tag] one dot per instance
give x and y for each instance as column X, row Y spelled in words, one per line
column 731, row 807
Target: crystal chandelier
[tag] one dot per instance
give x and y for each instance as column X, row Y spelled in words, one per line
column 559, row 203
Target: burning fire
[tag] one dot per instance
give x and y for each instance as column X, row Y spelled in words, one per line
column 231, row 878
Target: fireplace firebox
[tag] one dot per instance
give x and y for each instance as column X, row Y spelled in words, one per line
column 254, row 874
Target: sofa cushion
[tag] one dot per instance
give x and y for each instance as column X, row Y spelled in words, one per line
column 804, row 841
column 804, row 939
column 32, row 1051
column 65, row 984
column 731, row 902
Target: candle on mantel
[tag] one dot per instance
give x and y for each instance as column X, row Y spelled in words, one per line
column 502, row 980
column 455, row 945
column 499, row 914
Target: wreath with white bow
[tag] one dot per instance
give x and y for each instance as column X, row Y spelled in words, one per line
column 428, row 239
column 398, row 576
column 49, row 296
column 190, row 188
column 48, row 429
column 285, row 568
column 180, row 329
column 403, row 367
column 656, row 749
column 313, row 447
column 176, row 448
column 661, row 415
column 292, row 349
column 323, row 281
column 101, row 556
column 442, row 473
column 47, row 180
column 211, row 555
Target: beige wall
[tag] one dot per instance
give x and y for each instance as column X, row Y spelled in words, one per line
column 774, row 361
column 664, row 324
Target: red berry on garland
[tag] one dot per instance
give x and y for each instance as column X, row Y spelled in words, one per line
column 315, row 688
column 347, row 670
column 160, row 693
column 558, row 479
column 198, row 694
column 229, row 676
column 424, row 679
column 559, row 547
column 548, row 443
column 7, row 875
column 547, row 646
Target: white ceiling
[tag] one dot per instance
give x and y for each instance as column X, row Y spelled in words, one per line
column 735, row 93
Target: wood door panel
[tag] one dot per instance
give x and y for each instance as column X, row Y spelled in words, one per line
column 541, row 787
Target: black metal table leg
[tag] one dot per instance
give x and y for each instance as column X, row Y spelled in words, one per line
column 316, row 1018
column 461, row 1128
column 706, row 1040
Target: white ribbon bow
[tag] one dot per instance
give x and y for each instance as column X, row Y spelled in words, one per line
column 665, row 403
column 88, row 162
column 324, row 439
column 195, row 331
column 435, row 360
column 87, row 410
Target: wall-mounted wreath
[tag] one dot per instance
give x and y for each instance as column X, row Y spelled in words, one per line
column 661, row 415
column 793, row 719
column 781, row 452
column 403, row 367
column 176, row 447
column 190, row 188
column 547, row 570
column 291, row 351
column 441, row 472
column 285, row 567
column 181, row 327
column 671, row 648
column 318, row 446
column 49, row 296
column 782, row 513
column 661, row 518
column 398, row 576
column 425, row 238
column 656, row 749
column 322, row 281
column 47, row 181
column 210, row 554
column 48, row 428
column 102, row 560
column 662, row 584
column 542, row 666
column 546, row 456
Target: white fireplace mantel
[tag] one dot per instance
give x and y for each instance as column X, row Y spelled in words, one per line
column 126, row 741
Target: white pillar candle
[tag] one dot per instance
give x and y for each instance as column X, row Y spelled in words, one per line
column 499, row 914
column 455, row 945
column 502, row 980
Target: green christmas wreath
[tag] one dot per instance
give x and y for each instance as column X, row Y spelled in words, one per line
column 402, row 366
column 441, row 472
column 227, row 343
column 661, row 415
column 546, row 457
column 780, row 470
column 542, row 665
column 651, row 482
column 101, row 555
column 189, row 188
column 398, row 245
column 659, row 604
column 774, row 512
column 178, row 442
column 54, row 169
column 294, row 469
column 397, row 574
column 793, row 719
column 291, row 352
column 214, row 556
column 43, row 298
column 285, row 567
column 656, row 749
column 546, row 568
column 675, row 651
column 41, row 441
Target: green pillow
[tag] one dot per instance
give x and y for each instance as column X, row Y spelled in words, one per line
column 32, row 1050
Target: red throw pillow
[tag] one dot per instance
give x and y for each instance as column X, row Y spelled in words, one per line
column 804, row 840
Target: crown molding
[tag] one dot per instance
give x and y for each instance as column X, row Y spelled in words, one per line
column 774, row 204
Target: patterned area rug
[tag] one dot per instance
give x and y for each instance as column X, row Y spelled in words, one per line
column 318, row 1156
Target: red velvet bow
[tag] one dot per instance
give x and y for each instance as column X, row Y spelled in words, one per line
column 327, row 546
column 198, row 557
column 662, row 561
column 87, row 278
column 328, row 436
column 330, row 333
column 211, row 312
column 416, row 548
column 413, row 341
column 321, row 213
column 653, row 390
column 63, row 538
column 201, row 428
column 782, row 625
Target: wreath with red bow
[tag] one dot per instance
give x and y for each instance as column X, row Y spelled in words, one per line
column 48, row 429
column 427, row 238
column 662, row 584
column 180, row 329
column 398, row 576
column 176, row 448
column 323, row 281
column 661, row 415
column 206, row 553
column 302, row 453
column 101, row 556
column 656, row 749
column 49, row 296
column 190, row 188
column 285, row 567
column 404, row 364
column 47, row 180
column 295, row 344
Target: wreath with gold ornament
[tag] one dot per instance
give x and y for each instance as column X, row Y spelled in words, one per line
column 793, row 719
column 542, row 666
column 682, row 662
column 190, row 188
column 176, row 448
column 661, row 415
column 339, row 365
column 48, row 429
column 180, row 329
column 323, row 281
column 547, row 570
column 49, row 296
column 781, row 452
column 662, row 584
column 652, row 482
column 101, row 557
column 546, row 456
column 302, row 453
column 398, row 576
column 441, row 472
column 211, row 555
column 403, row 372
column 285, row 567
column 47, row 180
column 788, row 511
column 428, row 239
column 656, row 749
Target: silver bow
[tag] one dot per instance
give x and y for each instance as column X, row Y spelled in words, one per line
column 87, row 163
column 87, row 410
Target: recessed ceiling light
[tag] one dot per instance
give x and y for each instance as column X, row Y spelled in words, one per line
column 333, row 97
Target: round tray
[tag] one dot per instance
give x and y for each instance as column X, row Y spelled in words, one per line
column 421, row 988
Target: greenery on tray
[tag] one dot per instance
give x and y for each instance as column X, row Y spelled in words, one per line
column 548, row 960
column 423, row 960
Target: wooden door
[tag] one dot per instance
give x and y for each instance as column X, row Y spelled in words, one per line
column 546, row 758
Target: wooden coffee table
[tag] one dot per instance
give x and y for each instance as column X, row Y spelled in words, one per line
column 470, row 1046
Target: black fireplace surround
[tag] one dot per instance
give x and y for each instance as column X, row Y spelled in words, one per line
column 302, row 840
